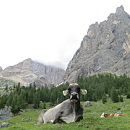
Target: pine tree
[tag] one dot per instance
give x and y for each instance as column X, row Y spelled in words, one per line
column 9, row 100
column 114, row 95
column 15, row 107
column 6, row 88
column 30, row 97
column 104, row 99
column 44, row 105
column 36, row 100
column 2, row 103
column 128, row 95
column 121, row 99
column 94, row 97
column 21, row 102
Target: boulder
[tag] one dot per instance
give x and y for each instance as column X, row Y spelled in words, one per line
column 5, row 113
column 26, row 120
column 4, row 124
column 87, row 104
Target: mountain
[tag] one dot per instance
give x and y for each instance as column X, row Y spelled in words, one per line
column 0, row 68
column 29, row 71
column 5, row 82
column 105, row 48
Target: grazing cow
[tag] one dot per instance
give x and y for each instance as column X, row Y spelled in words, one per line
column 68, row 111
column 112, row 114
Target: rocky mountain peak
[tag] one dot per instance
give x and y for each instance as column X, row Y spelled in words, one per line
column 120, row 15
column 27, row 61
column 120, row 10
column 24, row 64
column 105, row 48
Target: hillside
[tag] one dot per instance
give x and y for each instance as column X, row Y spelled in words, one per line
column 4, row 82
column 29, row 71
column 105, row 48
column 92, row 120
column 98, row 86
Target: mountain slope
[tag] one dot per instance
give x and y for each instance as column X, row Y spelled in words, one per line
column 29, row 71
column 105, row 48
column 0, row 68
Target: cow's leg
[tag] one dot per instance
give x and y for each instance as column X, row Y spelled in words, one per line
column 80, row 114
column 79, row 118
column 58, row 118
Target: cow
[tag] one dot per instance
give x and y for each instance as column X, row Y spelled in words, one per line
column 109, row 115
column 68, row 111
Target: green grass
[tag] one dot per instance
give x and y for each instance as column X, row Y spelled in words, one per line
column 92, row 120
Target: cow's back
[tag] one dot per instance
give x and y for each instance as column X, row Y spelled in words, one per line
column 62, row 108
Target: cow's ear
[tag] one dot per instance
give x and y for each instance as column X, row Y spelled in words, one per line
column 65, row 92
column 83, row 91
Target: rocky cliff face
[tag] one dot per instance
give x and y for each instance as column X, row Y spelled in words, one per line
column 105, row 48
column 29, row 71
column 0, row 68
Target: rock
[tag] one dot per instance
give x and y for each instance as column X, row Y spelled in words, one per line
column 105, row 48
column 29, row 71
column 26, row 120
column 87, row 104
column 5, row 82
column 1, row 69
column 5, row 124
column 5, row 113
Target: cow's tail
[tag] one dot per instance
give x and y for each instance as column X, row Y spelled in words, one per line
column 40, row 118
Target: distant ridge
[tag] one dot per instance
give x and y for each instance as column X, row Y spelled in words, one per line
column 1, row 69
column 29, row 71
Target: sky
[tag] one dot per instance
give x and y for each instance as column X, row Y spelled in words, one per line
column 48, row 31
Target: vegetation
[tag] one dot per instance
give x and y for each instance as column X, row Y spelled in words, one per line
column 109, row 93
column 19, row 97
column 106, row 84
column 99, row 87
column 91, row 121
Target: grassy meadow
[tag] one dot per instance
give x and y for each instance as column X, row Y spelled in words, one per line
column 92, row 120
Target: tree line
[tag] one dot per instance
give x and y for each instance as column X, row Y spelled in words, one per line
column 99, row 87
column 19, row 97
column 105, row 85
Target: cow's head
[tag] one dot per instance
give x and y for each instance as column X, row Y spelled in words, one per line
column 103, row 115
column 74, row 92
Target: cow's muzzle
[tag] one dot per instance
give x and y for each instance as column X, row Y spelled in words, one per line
column 74, row 97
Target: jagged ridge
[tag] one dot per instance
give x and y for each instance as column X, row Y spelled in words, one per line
column 105, row 48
